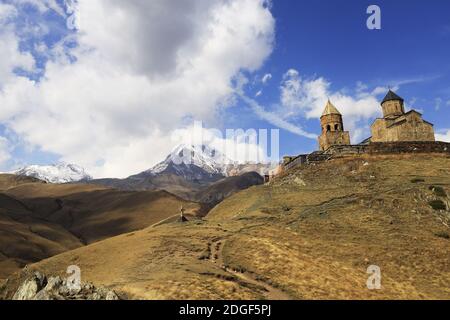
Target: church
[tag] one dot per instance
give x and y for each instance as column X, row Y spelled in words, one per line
column 396, row 125
column 396, row 132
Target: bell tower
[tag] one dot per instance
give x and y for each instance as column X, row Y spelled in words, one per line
column 332, row 128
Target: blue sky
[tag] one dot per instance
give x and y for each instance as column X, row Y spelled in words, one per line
column 92, row 83
column 330, row 39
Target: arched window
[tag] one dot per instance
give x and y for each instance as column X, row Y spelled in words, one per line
column 336, row 127
column 328, row 128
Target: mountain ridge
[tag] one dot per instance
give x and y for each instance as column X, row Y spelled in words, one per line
column 57, row 173
column 186, row 171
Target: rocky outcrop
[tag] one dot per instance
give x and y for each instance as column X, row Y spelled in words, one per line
column 40, row 287
column 30, row 287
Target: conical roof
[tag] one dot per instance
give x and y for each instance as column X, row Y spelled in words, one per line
column 391, row 95
column 330, row 109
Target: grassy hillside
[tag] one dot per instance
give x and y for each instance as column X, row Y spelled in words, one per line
column 8, row 181
column 222, row 189
column 41, row 220
column 172, row 183
column 311, row 234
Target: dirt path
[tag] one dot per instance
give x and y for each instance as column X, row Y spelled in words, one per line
column 270, row 292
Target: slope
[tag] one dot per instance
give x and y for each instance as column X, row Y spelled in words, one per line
column 40, row 220
column 311, row 234
column 222, row 189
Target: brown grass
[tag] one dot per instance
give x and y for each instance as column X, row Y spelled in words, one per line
column 343, row 216
column 38, row 220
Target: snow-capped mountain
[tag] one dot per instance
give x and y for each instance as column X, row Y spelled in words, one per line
column 187, row 170
column 193, row 163
column 57, row 173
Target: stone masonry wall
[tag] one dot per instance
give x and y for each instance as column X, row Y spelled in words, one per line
column 381, row 148
column 391, row 148
column 409, row 127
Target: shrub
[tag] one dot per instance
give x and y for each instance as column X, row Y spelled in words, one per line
column 240, row 269
column 437, row 205
column 438, row 191
column 204, row 255
column 417, row 180
column 442, row 234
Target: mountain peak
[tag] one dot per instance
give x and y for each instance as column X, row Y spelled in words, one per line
column 185, row 157
column 60, row 172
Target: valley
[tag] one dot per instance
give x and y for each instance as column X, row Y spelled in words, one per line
column 47, row 210
column 39, row 220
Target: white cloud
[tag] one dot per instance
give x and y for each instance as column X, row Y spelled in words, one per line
column 141, row 69
column 401, row 82
column 42, row 5
column 266, row 78
column 443, row 135
column 306, row 98
column 276, row 119
column 5, row 153
column 382, row 90
column 11, row 57
column 412, row 102
column 437, row 103
column 303, row 98
column 7, row 12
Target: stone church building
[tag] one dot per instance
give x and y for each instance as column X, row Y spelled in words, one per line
column 398, row 125
column 396, row 132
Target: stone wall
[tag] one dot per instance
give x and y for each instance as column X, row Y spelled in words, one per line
column 415, row 129
column 408, row 127
column 410, row 147
column 301, row 159
column 393, row 108
column 391, row 148
column 378, row 130
column 347, row 150
column 328, row 139
column 379, row 148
